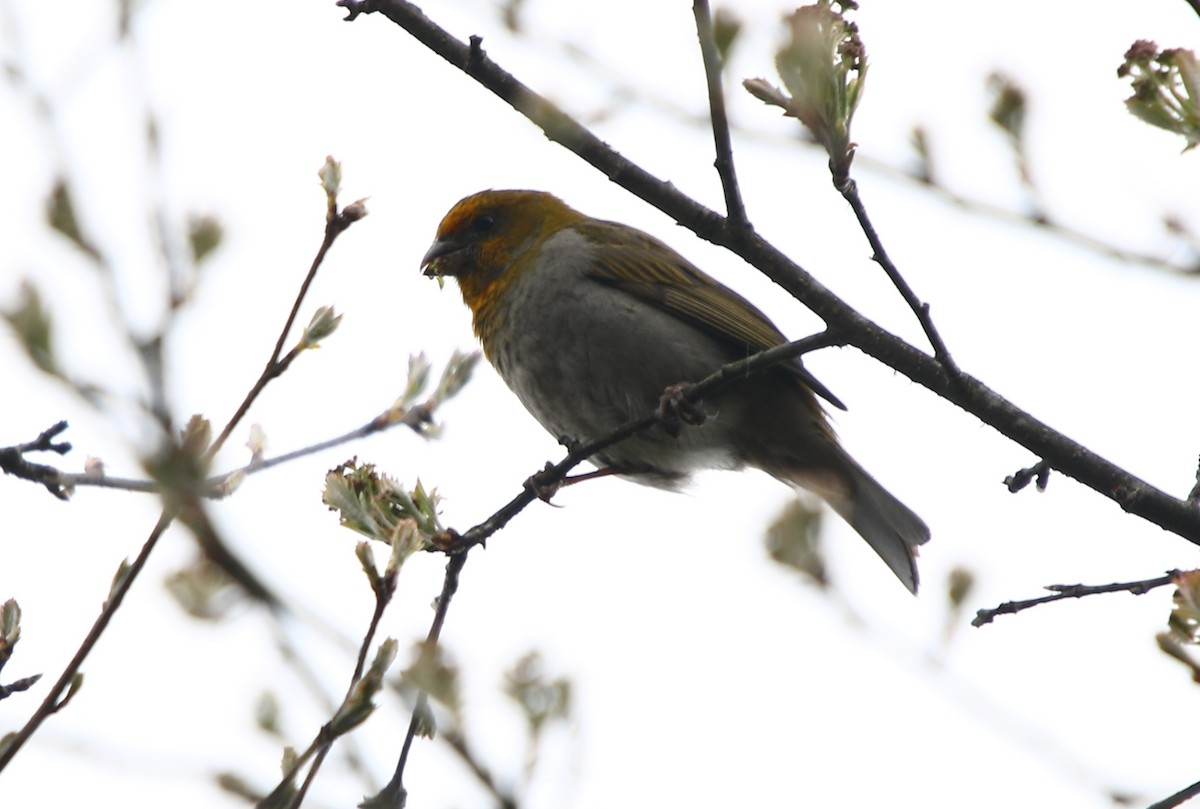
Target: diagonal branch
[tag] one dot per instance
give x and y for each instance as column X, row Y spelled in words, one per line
column 394, row 794
column 735, row 209
column 1183, row 795
column 849, row 190
column 1060, row 592
column 1069, row 457
column 336, row 222
column 55, row 698
column 458, row 546
column 556, row 473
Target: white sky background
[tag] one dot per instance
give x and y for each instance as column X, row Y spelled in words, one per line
column 706, row 675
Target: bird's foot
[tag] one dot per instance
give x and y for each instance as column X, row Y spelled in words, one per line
column 544, row 490
column 675, row 410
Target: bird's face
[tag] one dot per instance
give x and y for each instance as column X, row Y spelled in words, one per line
column 490, row 239
column 491, row 232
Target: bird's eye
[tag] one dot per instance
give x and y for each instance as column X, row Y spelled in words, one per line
column 483, row 224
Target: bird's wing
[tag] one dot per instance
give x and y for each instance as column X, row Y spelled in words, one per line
column 649, row 270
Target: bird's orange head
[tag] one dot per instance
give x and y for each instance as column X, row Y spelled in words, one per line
column 489, row 237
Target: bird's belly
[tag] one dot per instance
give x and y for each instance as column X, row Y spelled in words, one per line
column 585, row 367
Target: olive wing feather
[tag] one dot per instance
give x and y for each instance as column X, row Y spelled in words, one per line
column 645, row 268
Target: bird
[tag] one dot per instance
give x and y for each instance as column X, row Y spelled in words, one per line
column 593, row 323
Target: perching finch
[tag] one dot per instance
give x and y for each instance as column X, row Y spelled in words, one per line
column 589, row 322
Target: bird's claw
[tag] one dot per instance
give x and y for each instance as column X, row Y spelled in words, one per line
column 675, row 409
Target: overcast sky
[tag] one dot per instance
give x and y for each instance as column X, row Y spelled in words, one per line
column 705, row 674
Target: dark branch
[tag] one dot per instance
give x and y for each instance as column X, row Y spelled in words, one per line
column 459, row 546
column 394, row 794
column 336, row 222
column 1069, row 457
column 1040, row 472
column 13, row 462
column 849, row 191
column 1184, row 794
column 54, row 699
column 546, row 479
column 1064, row 591
column 735, row 209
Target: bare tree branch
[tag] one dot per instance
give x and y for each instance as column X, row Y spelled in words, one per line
column 1179, row 797
column 735, row 209
column 336, row 222
column 849, row 190
column 53, row 700
column 394, row 794
column 922, row 175
column 1064, row 591
column 1069, row 457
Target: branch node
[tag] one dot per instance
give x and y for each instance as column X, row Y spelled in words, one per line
column 1063, row 591
column 544, row 483
column 476, row 54
column 1040, row 472
column 356, row 7
column 676, row 408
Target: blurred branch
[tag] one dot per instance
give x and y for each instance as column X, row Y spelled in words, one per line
column 458, row 743
column 922, row 175
column 1008, row 112
column 1067, row 456
column 177, row 466
column 68, row 682
column 418, row 418
column 336, row 222
column 358, row 702
column 1064, row 591
column 394, row 794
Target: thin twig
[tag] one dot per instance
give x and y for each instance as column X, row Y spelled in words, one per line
column 1064, row 591
column 211, row 544
column 626, row 90
column 335, row 224
column 735, row 209
column 1039, row 472
column 394, row 794
column 384, row 588
column 120, row 588
column 458, row 743
column 849, row 191
column 13, row 461
column 218, row 486
column 304, row 670
column 1069, row 457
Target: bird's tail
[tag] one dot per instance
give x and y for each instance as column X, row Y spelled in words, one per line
column 888, row 526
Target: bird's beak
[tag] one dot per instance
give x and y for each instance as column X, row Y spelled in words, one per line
column 430, row 265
